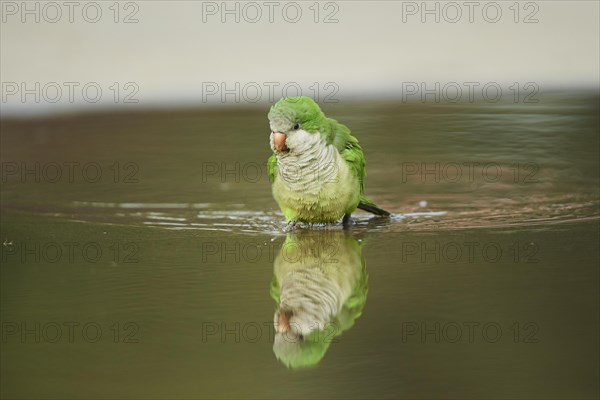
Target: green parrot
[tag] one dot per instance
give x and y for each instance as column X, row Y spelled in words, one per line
column 320, row 286
column 317, row 168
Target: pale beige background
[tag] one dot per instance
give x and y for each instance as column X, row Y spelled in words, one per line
column 170, row 52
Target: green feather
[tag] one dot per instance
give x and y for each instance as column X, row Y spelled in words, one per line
column 272, row 167
column 291, row 110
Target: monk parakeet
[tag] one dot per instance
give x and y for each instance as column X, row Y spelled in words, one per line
column 317, row 168
column 320, row 287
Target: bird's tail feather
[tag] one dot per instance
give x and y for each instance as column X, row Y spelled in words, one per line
column 367, row 205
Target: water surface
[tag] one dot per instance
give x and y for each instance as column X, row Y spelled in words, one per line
column 483, row 283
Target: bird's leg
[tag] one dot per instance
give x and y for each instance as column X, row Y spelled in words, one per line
column 347, row 221
column 290, row 226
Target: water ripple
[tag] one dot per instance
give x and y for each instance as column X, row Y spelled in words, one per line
column 422, row 216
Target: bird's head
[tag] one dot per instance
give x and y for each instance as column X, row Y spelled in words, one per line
column 290, row 119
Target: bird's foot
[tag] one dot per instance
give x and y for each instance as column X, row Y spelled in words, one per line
column 347, row 221
column 290, row 226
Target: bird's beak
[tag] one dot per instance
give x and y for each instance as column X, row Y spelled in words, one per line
column 283, row 321
column 279, row 141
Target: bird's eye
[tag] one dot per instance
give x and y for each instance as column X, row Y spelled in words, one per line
column 297, row 126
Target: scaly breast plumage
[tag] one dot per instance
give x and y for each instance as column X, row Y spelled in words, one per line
column 310, row 173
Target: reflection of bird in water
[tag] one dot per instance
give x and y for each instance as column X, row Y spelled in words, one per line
column 320, row 286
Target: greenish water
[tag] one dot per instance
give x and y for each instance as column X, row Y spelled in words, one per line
column 159, row 278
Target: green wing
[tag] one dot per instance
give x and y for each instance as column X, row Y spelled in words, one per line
column 339, row 135
column 272, row 167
